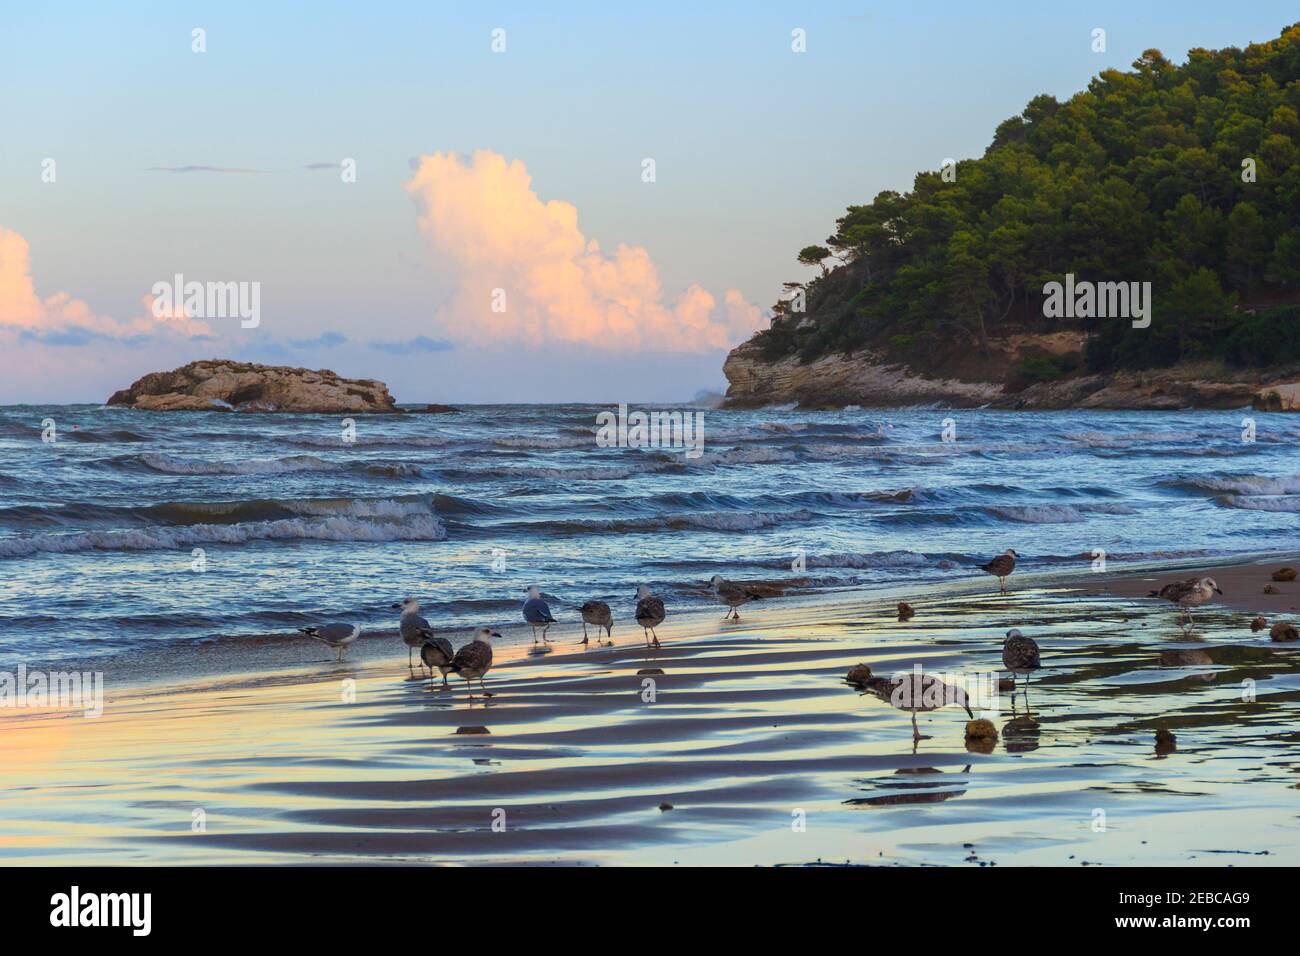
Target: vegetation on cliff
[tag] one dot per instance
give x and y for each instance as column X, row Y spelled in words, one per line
column 1187, row 177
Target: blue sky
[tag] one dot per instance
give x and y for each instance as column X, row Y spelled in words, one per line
column 757, row 150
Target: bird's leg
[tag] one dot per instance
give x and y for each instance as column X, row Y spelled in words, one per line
column 656, row 636
column 584, row 634
column 544, row 630
column 409, row 665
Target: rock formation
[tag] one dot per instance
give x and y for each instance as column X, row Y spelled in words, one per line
column 225, row 385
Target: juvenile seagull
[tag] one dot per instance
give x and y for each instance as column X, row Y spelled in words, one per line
column 1020, row 656
column 474, row 659
column 1188, row 594
column 437, row 652
column 537, row 612
column 339, row 636
column 732, row 595
column 1001, row 568
column 916, row 692
column 597, row 613
column 415, row 630
column 649, row 613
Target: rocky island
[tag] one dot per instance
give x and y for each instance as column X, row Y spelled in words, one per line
column 1134, row 246
column 226, row 385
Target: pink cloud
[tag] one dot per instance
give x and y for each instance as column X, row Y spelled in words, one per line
column 503, row 246
column 22, row 310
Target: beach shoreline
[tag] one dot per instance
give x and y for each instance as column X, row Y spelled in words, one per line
column 746, row 726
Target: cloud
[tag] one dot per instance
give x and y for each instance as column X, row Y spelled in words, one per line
column 504, row 247
column 200, row 169
column 421, row 343
column 326, row 340
column 61, row 320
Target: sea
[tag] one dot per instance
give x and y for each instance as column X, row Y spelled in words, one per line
column 121, row 529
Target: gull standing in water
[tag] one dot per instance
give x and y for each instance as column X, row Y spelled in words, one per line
column 649, row 613
column 537, row 613
column 1001, row 568
column 1020, row 656
column 1188, row 594
column 732, row 595
column 338, row 636
column 597, row 613
column 414, row 629
column 474, row 659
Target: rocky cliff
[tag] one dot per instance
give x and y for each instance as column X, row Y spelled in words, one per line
column 224, row 385
column 865, row 379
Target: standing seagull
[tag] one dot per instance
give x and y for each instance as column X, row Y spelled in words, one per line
column 437, row 652
column 415, row 630
column 1188, row 594
column 1020, row 656
column 649, row 613
column 732, row 595
column 537, row 612
column 597, row 613
column 335, row 635
column 1001, row 568
column 475, row 659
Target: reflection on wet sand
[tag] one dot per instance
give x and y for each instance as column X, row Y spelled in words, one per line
column 736, row 731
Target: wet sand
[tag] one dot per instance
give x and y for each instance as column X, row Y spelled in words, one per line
column 1242, row 584
column 764, row 753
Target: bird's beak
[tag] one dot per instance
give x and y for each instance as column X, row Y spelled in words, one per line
column 496, row 634
column 397, row 607
column 1217, row 591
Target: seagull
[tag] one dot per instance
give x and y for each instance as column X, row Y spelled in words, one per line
column 415, row 630
column 339, row 636
column 732, row 595
column 1001, row 568
column 597, row 613
column 1020, row 656
column 537, row 612
column 916, row 692
column 649, row 613
column 474, row 659
column 1188, row 594
column 437, row 652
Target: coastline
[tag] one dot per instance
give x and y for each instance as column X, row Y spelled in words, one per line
column 750, row 724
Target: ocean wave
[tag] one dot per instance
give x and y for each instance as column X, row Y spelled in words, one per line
column 742, row 456
column 335, row 528
column 372, row 441
column 1238, row 484
column 1054, row 514
column 870, row 560
column 1278, row 503
column 546, row 441
column 172, row 465
column 704, row 521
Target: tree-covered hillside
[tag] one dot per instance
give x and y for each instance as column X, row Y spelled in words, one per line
column 1145, row 176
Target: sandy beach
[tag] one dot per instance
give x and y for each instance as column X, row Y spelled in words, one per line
column 733, row 744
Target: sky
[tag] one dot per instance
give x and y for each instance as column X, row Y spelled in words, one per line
column 596, row 209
